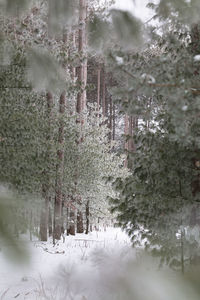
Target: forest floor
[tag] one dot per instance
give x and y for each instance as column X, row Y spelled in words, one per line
column 99, row 266
column 68, row 270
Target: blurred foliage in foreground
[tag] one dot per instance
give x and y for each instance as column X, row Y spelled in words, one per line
column 12, row 223
column 159, row 88
column 118, row 274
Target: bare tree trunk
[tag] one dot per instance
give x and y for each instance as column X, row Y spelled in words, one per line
column 113, row 131
column 87, row 213
column 44, row 216
column 103, row 93
column 67, row 221
column 59, row 175
column 98, row 88
column 131, row 146
column 79, row 222
column 82, row 80
column 82, row 70
column 50, row 221
column 72, row 222
column 110, row 118
column 126, row 126
column 46, row 186
column 62, row 215
column 31, row 225
column 74, row 46
column 182, row 252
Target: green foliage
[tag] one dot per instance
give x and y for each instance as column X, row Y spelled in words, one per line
column 11, row 223
column 44, row 71
column 161, row 89
column 121, row 28
column 91, row 162
column 99, row 35
column 185, row 11
column 14, row 8
column 128, row 29
column 62, row 13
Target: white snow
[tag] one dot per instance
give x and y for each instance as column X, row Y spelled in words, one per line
column 149, row 78
column 184, row 108
column 51, row 265
column 98, row 266
column 119, row 60
column 197, row 57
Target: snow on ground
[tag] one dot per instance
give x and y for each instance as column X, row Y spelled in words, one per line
column 60, row 271
column 99, row 266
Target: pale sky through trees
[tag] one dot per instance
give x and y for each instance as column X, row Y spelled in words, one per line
column 137, row 7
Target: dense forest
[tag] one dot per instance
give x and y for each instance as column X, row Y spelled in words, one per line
column 100, row 127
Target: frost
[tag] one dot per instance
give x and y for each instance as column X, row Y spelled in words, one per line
column 184, row 108
column 119, row 60
column 193, row 234
column 163, row 59
column 197, row 57
column 149, row 78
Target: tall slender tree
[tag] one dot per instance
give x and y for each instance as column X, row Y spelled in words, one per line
column 59, row 171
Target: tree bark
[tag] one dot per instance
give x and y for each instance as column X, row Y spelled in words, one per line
column 113, row 131
column 126, row 126
column 87, row 213
column 62, row 215
column 82, row 70
column 131, row 129
column 31, row 225
column 72, row 230
column 59, row 175
column 82, row 80
column 46, row 185
column 74, row 46
column 98, row 88
column 110, row 118
column 50, row 221
column 79, row 222
column 103, row 93
column 44, row 216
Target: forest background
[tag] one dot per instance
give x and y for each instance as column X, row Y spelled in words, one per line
column 100, row 110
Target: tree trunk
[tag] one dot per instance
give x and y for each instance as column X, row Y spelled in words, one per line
column 82, row 70
column 131, row 146
column 50, row 221
column 62, row 215
column 46, row 185
column 87, row 213
column 82, row 80
column 74, row 46
column 110, row 118
column 44, row 217
column 126, row 126
column 67, row 221
column 98, row 88
column 72, row 222
column 80, row 222
column 182, row 252
column 59, row 175
column 103, row 94
column 31, row 225
column 113, row 135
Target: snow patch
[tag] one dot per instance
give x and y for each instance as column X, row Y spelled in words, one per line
column 197, row 57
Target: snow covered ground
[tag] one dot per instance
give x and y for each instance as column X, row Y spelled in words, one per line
column 98, row 266
column 69, row 261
